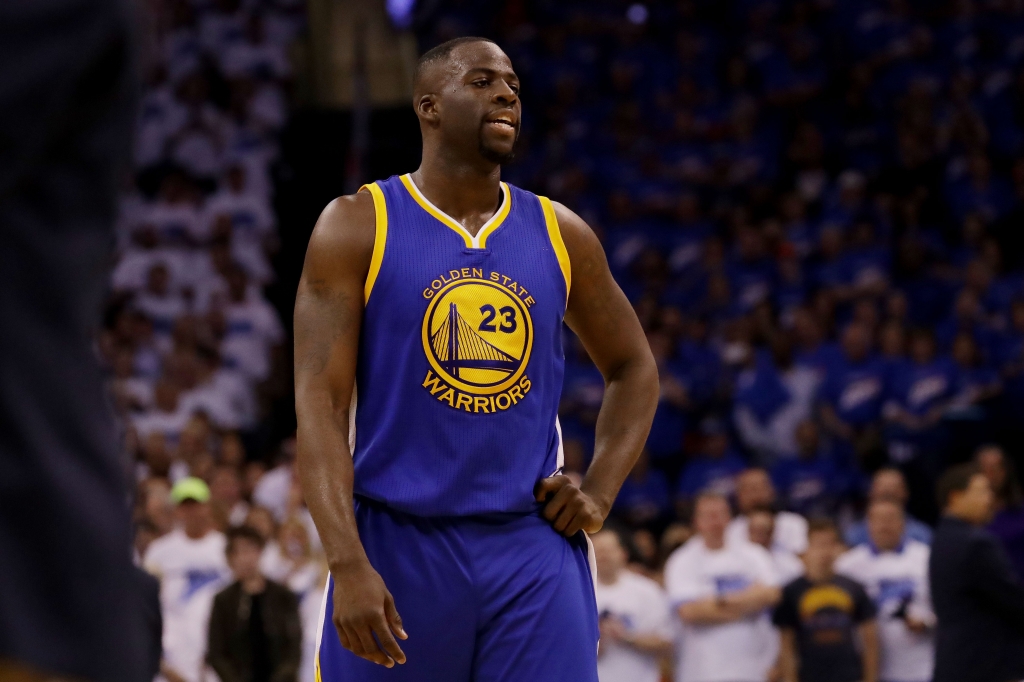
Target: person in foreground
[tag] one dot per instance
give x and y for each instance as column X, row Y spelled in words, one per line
column 428, row 370
column 636, row 627
column 722, row 591
column 978, row 599
column 827, row 621
column 893, row 569
column 255, row 633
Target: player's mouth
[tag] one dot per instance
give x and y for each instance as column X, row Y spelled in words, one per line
column 504, row 122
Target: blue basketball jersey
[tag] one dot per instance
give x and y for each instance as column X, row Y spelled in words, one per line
column 460, row 359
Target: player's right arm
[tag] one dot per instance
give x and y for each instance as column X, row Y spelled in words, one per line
column 328, row 314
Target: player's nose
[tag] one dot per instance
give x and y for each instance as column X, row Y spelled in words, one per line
column 503, row 94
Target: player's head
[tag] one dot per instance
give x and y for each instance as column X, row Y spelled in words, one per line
column 466, row 96
column 711, row 515
column 885, row 521
column 244, row 548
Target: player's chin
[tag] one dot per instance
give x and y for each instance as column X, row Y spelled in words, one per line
column 498, row 149
column 498, row 153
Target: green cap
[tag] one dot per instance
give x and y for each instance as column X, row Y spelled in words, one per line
column 190, row 488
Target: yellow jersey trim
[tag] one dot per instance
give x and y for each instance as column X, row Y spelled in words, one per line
column 380, row 238
column 479, row 241
column 555, row 235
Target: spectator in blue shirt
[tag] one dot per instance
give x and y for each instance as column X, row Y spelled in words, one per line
column 813, row 483
column 866, row 263
column 918, row 396
column 645, row 497
column 889, row 484
column 975, row 383
column 1011, row 353
column 715, row 468
column 853, row 390
column 666, row 437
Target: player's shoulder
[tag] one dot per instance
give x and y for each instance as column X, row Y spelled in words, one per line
column 346, row 221
column 578, row 236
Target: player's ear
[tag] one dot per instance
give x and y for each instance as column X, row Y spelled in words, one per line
column 426, row 109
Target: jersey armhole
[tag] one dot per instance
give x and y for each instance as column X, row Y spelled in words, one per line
column 380, row 238
column 555, row 235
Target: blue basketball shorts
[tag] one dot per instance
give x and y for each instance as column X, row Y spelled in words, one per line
column 500, row 598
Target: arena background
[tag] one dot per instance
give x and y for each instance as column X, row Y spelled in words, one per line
column 814, row 205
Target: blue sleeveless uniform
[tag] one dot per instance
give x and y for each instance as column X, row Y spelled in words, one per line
column 460, row 364
column 458, row 381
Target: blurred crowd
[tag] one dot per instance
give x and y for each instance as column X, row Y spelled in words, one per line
column 195, row 352
column 814, row 206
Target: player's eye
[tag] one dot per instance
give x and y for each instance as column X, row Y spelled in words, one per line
column 514, row 88
column 482, row 83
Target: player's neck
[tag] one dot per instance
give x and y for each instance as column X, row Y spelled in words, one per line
column 468, row 192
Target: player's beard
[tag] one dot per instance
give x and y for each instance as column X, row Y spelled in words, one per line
column 494, row 156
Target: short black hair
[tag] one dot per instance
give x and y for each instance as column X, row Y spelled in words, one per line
column 442, row 51
column 955, row 480
column 243, row 533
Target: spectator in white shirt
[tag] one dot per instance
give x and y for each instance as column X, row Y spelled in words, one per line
column 253, row 330
column 761, row 529
column 894, row 571
column 274, row 486
column 191, row 566
column 229, row 509
column 250, row 212
column 890, row 485
column 158, row 302
column 255, row 56
column 165, row 416
column 636, row 626
column 175, row 216
column 754, row 491
column 722, row 591
column 223, row 395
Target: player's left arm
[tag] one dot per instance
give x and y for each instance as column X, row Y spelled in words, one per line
column 602, row 317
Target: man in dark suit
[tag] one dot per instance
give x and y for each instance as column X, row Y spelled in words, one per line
column 68, row 603
column 978, row 599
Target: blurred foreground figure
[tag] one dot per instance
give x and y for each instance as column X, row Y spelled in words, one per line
column 978, row 598
column 66, row 605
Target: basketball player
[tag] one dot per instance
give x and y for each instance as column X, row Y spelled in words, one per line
column 429, row 365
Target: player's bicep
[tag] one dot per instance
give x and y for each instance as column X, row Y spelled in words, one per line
column 329, row 302
column 598, row 311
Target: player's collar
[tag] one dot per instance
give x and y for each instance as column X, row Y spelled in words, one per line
column 479, row 241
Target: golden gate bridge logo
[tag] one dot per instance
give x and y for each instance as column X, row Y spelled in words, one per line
column 477, row 336
column 457, row 345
